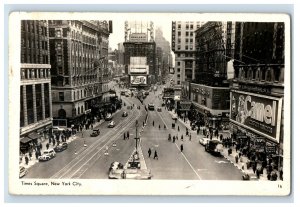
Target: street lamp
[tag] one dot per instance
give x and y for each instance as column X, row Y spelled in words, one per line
column 136, row 135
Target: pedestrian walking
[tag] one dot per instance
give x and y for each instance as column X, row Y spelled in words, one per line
column 149, row 152
column 124, row 135
column 257, row 174
column 178, row 128
column 190, row 136
column 236, row 159
column 127, row 134
column 181, row 147
column 41, row 146
column 153, row 123
column 173, row 139
column 92, row 126
column 37, row 155
column 30, row 155
column 155, row 155
column 182, row 137
column 26, row 160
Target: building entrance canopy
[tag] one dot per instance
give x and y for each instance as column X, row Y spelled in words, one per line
column 24, row 140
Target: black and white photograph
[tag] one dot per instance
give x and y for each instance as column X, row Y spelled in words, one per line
column 149, row 104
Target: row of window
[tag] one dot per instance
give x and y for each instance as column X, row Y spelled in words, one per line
column 186, row 40
column 28, row 26
column 187, row 47
column 186, row 34
column 36, row 73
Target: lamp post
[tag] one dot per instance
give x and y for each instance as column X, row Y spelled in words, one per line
column 136, row 135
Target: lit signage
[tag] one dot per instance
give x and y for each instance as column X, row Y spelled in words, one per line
column 136, row 80
column 259, row 113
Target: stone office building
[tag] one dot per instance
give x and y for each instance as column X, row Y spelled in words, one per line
column 35, row 87
column 79, row 57
column 257, row 93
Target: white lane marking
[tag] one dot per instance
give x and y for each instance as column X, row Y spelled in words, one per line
column 163, row 120
column 189, row 163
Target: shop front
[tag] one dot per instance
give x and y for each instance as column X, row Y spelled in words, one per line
column 255, row 126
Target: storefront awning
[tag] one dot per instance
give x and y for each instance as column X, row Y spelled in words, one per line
column 25, row 140
column 34, row 135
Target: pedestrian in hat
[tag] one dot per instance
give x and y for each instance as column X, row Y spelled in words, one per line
column 181, row 147
column 155, row 155
column 124, row 136
column 30, row 155
column 190, row 137
column 182, row 137
column 127, row 134
column 149, row 152
column 26, row 160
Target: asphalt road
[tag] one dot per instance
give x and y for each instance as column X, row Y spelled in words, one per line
column 91, row 162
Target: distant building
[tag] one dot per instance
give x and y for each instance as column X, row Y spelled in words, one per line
column 140, row 46
column 183, row 45
column 166, row 56
column 79, row 59
column 35, row 87
column 210, row 93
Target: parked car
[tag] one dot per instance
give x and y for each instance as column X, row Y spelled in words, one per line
column 122, row 93
column 125, row 114
column 111, row 124
column 57, row 129
column 61, row 147
column 214, row 147
column 158, row 109
column 47, row 155
column 108, row 117
column 95, row 133
column 203, row 140
column 22, row 171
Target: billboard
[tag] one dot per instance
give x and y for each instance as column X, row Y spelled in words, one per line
column 137, row 80
column 259, row 113
column 138, row 60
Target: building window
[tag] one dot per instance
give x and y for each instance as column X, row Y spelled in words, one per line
column 192, row 26
column 61, row 96
column 178, row 75
column 179, row 26
column 187, row 26
column 191, row 40
column 178, row 63
column 29, row 98
column 178, row 70
column 186, row 40
column 58, row 33
column 179, row 33
column 39, row 105
column 186, row 33
column 186, row 47
column 21, row 107
column 178, row 82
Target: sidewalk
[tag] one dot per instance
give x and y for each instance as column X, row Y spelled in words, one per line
column 241, row 164
column 34, row 160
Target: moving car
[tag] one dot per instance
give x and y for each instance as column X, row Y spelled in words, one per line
column 158, row 109
column 108, row 117
column 203, row 140
column 47, row 155
column 146, row 93
column 151, row 106
column 61, row 147
column 95, row 133
column 111, row 124
column 22, row 171
column 122, row 93
column 214, row 147
column 125, row 114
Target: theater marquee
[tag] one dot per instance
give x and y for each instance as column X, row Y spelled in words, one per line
column 259, row 113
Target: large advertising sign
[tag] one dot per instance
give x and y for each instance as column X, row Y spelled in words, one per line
column 136, row 80
column 259, row 113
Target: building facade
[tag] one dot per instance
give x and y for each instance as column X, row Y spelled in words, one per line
column 183, row 45
column 79, row 58
column 210, row 89
column 35, row 88
column 166, row 56
column 257, row 93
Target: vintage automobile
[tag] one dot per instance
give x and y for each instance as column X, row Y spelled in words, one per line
column 95, row 133
column 124, row 114
column 108, row 117
column 47, row 155
column 203, row 141
column 151, row 106
column 22, row 171
column 57, row 129
column 158, row 109
column 111, row 124
column 61, row 147
column 214, row 147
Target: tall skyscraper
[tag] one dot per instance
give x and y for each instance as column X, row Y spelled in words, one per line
column 35, row 88
column 183, row 45
column 79, row 58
